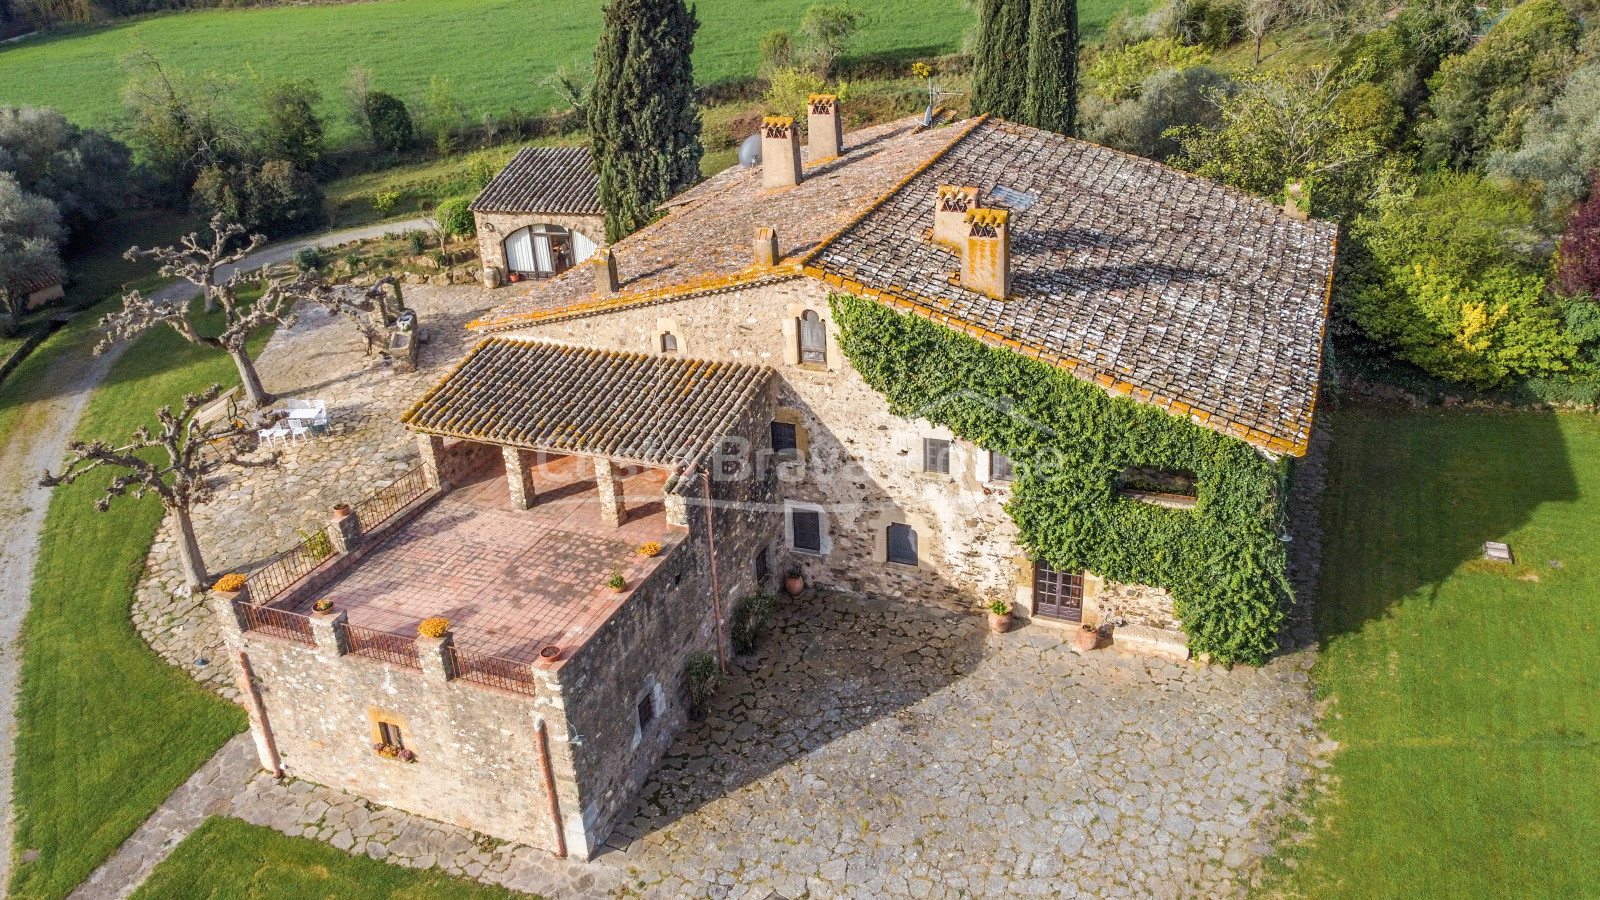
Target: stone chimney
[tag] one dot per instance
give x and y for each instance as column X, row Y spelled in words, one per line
column 986, row 260
column 1296, row 205
column 950, row 207
column 766, row 247
column 780, row 152
column 826, row 138
column 605, row 273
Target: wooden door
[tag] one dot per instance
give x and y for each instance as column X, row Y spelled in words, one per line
column 1057, row 595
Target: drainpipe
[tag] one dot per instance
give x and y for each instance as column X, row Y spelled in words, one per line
column 550, row 786
column 716, row 592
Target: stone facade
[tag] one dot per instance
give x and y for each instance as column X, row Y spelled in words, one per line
column 494, row 227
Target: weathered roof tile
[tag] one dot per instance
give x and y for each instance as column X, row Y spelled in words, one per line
column 558, row 180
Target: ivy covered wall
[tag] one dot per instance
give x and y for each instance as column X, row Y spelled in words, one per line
column 1070, row 442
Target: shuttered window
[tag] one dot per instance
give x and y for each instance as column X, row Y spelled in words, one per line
column 813, row 339
column 936, row 456
column 806, row 526
column 784, row 438
column 902, row 545
column 999, row 466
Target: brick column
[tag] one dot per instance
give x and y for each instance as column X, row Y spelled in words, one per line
column 344, row 529
column 430, row 447
column 433, row 654
column 330, row 639
column 613, row 509
column 519, row 477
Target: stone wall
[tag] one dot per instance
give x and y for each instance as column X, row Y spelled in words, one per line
column 493, row 228
column 477, row 750
column 1136, row 604
column 862, row 463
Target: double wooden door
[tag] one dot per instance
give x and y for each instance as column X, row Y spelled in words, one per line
column 1057, row 595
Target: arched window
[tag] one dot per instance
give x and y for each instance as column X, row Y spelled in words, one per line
column 813, row 339
column 539, row 251
column 902, row 545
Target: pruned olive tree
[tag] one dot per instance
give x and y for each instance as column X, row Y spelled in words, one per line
column 193, row 453
column 199, row 264
column 373, row 310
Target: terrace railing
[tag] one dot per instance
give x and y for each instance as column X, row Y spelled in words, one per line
column 276, row 622
column 491, row 670
column 380, row 645
column 376, row 509
column 272, row 579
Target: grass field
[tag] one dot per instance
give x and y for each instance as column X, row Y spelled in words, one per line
column 1465, row 699
column 495, row 51
column 106, row 730
column 227, row 859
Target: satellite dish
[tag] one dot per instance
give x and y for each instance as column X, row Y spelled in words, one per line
column 750, row 152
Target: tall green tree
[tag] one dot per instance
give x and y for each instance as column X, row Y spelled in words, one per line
column 644, row 122
column 1000, row 59
column 1051, row 102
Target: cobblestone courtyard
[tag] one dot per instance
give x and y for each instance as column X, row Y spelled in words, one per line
column 870, row 748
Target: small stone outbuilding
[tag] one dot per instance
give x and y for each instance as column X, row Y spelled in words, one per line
column 540, row 216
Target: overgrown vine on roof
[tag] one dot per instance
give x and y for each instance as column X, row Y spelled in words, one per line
column 1070, row 442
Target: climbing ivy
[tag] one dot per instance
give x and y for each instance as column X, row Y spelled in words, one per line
column 1070, row 442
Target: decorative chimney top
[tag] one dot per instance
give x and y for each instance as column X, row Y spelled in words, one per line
column 950, row 207
column 826, row 136
column 986, row 259
column 1296, row 205
column 780, row 152
column 766, row 247
column 605, row 273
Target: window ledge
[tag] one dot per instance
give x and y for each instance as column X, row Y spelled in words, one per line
column 1169, row 501
column 901, row 565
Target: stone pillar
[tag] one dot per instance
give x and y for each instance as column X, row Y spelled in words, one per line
column 613, row 508
column 435, row 657
column 986, row 264
column 766, row 247
column 430, row 447
column 605, row 272
column 519, row 477
column 950, row 207
column 344, row 529
column 256, row 713
column 228, row 615
column 677, row 508
column 329, row 637
column 780, row 152
column 826, row 137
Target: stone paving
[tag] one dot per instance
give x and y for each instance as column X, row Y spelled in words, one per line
column 870, row 748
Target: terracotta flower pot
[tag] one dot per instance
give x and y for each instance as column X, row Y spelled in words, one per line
column 1088, row 638
column 999, row 623
column 794, row 585
column 340, row 510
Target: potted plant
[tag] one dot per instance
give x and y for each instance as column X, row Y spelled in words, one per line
column 650, row 549
column 323, row 605
column 435, row 627
column 999, row 616
column 514, row 278
column 617, row 582
column 229, row 585
column 1088, row 638
column 793, row 582
column 340, row 510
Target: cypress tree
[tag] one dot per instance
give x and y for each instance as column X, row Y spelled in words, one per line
column 1000, row 58
column 1052, row 98
column 644, row 122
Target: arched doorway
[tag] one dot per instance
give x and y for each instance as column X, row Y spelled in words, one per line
column 540, row 251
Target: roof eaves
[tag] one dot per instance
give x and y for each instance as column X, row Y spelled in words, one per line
column 596, row 305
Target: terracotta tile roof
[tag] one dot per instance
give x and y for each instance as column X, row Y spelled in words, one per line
column 654, row 410
column 35, row 283
column 1170, row 288
column 544, row 180
column 704, row 244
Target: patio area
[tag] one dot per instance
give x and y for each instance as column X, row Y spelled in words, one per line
column 510, row 581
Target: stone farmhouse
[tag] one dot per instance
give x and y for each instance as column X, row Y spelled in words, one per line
column 684, row 394
column 540, row 216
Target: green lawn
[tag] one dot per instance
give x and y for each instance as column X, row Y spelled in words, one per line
column 106, row 730
column 229, row 860
column 495, row 51
column 1465, row 693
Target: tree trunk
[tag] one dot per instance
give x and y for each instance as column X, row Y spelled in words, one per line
column 1259, row 35
column 194, row 565
column 253, row 390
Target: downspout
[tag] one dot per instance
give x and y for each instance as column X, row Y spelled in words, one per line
column 550, row 786
column 716, row 592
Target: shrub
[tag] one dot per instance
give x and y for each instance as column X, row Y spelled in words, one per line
column 307, row 258
column 705, row 679
column 85, row 173
column 30, row 231
column 417, row 241
column 480, row 171
column 383, row 202
column 1561, row 144
column 788, row 92
column 434, row 627
column 1168, row 99
column 292, row 130
column 1119, row 75
column 276, row 199
column 749, row 620
column 826, row 31
column 1578, row 271
column 777, row 52
column 389, row 123
column 455, row 218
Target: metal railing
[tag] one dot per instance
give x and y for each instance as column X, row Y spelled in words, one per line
column 380, row 645
column 376, row 509
column 272, row 579
column 491, row 670
column 276, row 622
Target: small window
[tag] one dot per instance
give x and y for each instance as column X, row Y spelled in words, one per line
column 813, row 339
column 669, row 342
column 936, row 455
column 389, row 734
column 999, row 466
column 902, row 545
column 763, row 572
column 785, row 438
column 806, row 527
column 647, row 710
